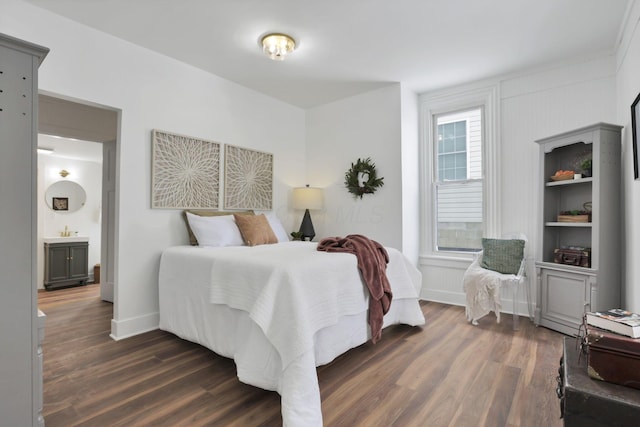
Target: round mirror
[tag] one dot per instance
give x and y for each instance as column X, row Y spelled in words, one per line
column 65, row 196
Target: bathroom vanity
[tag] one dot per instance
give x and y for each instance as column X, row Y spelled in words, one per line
column 66, row 262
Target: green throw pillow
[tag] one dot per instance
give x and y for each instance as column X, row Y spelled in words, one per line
column 503, row 256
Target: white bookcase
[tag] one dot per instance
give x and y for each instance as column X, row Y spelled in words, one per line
column 567, row 291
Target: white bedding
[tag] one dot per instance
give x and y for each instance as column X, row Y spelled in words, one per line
column 279, row 311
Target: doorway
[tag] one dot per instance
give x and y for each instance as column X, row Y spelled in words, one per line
column 83, row 134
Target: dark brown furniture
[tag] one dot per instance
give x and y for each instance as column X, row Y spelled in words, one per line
column 586, row 402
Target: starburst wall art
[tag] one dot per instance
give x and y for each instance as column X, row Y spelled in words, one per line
column 248, row 179
column 185, row 172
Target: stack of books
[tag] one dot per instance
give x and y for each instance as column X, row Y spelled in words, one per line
column 616, row 320
column 613, row 339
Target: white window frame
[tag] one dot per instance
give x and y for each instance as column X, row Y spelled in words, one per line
column 485, row 96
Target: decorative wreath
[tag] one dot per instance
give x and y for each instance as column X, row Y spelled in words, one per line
column 362, row 178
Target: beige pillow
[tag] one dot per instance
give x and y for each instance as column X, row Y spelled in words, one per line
column 192, row 237
column 255, row 229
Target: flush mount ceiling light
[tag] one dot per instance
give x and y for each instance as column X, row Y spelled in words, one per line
column 276, row 46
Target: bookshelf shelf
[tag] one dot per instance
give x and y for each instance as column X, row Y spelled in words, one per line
column 568, row 182
column 568, row 224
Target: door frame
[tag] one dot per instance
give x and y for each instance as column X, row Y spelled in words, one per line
column 109, row 212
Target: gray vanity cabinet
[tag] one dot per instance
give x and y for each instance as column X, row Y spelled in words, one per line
column 566, row 291
column 66, row 264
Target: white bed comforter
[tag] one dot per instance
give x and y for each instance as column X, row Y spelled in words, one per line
column 279, row 311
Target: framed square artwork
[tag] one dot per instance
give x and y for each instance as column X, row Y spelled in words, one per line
column 185, row 172
column 248, row 179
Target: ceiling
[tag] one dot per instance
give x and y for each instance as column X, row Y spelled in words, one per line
column 71, row 148
column 348, row 47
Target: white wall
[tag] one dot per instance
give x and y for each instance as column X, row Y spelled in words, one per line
column 339, row 133
column 544, row 104
column 532, row 106
column 86, row 220
column 410, row 175
column 628, row 87
column 154, row 91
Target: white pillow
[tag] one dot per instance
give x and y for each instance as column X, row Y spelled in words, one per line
column 277, row 227
column 215, row 230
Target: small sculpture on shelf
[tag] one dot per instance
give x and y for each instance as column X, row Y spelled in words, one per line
column 585, row 165
column 582, row 162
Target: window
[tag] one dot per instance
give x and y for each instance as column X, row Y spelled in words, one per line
column 458, row 183
column 452, row 150
column 460, row 169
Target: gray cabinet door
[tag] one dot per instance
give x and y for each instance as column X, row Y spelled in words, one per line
column 79, row 262
column 564, row 297
column 58, row 263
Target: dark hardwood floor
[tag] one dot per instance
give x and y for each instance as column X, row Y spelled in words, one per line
column 447, row 373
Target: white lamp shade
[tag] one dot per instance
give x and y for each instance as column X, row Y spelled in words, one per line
column 308, row 198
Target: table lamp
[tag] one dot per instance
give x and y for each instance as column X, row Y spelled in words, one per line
column 307, row 198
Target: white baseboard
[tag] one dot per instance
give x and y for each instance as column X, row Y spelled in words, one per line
column 459, row 298
column 442, row 296
column 121, row 329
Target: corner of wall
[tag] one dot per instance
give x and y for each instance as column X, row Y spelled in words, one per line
column 627, row 88
column 410, row 174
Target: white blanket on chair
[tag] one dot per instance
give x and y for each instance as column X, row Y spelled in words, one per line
column 482, row 287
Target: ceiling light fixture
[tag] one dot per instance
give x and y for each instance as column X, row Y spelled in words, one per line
column 276, row 46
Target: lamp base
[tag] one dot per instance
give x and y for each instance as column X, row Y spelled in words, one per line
column 306, row 228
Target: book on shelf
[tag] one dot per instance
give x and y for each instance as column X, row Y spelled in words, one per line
column 616, row 320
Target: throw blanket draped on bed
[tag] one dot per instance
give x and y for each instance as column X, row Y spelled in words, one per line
column 372, row 263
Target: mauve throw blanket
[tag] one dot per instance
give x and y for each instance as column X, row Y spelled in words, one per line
column 372, row 263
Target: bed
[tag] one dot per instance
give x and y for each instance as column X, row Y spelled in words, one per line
column 278, row 311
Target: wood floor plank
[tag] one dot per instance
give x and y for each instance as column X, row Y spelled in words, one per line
column 504, row 387
column 446, row 373
column 475, row 410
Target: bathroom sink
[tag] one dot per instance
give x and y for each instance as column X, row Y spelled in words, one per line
column 70, row 239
